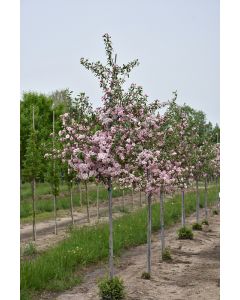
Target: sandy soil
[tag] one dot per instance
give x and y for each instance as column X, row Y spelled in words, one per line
column 193, row 274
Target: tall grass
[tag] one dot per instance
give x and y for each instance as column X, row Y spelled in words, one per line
column 56, row 268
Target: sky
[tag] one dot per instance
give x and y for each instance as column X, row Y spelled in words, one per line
column 176, row 42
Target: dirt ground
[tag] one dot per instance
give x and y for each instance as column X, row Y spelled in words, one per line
column 193, row 274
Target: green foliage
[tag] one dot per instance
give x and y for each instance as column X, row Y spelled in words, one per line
column 111, row 289
column 197, row 226
column 166, row 255
column 43, row 126
column 146, row 275
column 32, row 163
column 185, row 233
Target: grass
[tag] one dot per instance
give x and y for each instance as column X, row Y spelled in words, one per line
column 63, row 201
column 61, row 267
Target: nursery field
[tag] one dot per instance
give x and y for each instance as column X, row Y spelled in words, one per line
column 119, row 201
column 68, row 263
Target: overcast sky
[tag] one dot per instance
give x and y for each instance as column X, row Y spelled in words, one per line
column 176, row 42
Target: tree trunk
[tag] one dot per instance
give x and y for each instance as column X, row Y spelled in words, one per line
column 132, row 200
column 87, row 201
column 80, row 194
column 55, row 213
column 34, row 209
column 162, row 236
column 123, row 200
column 97, row 201
column 71, row 203
column 149, row 232
column 217, row 192
column 205, row 199
column 183, row 209
column 197, row 203
column 140, row 198
column 110, row 229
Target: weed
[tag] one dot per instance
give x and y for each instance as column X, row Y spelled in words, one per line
column 185, row 233
column 111, row 289
column 166, row 255
column 146, row 275
column 30, row 249
column 197, row 226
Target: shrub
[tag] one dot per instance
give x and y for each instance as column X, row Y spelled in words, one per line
column 146, row 275
column 205, row 222
column 166, row 255
column 185, row 233
column 111, row 289
column 197, row 226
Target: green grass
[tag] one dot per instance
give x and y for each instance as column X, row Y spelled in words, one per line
column 60, row 268
column 63, row 202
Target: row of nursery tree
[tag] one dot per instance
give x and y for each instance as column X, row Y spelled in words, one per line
column 128, row 141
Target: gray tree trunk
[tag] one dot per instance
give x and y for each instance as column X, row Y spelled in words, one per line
column 80, row 194
column 183, row 208
column 162, row 234
column 71, row 203
column 55, row 213
column 149, row 232
column 54, row 174
column 34, row 209
column 140, row 198
column 205, row 199
column 87, row 200
column 197, row 203
column 123, row 200
column 110, row 229
column 218, row 198
column 132, row 199
column 97, row 201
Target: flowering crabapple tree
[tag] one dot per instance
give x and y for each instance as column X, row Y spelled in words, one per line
column 179, row 146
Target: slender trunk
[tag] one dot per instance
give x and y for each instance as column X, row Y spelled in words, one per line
column 132, row 200
column 140, row 198
column 87, row 201
column 71, row 204
column 97, row 201
column 149, row 232
column 205, row 199
column 162, row 236
column 54, row 175
column 55, row 213
column 33, row 207
column 80, row 194
column 197, row 203
column 123, row 200
column 110, row 229
column 183, row 208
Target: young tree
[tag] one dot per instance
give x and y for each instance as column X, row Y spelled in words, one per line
column 32, row 167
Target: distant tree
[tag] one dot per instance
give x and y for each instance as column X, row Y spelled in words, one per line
column 32, row 166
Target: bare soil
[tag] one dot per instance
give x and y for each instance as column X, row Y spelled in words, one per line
column 193, row 273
